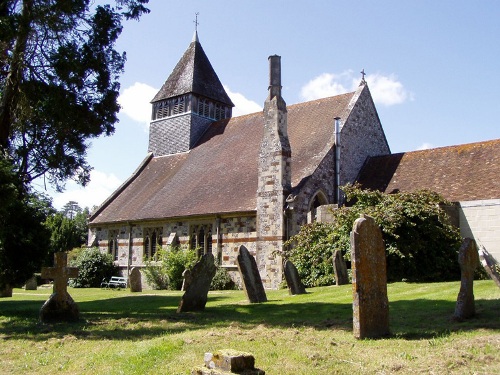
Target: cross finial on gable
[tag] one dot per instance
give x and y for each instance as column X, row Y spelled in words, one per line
column 363, row 74
column 196, row 23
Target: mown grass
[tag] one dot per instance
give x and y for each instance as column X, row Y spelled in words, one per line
column 141, row 333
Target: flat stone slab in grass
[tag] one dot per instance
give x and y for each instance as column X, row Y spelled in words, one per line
column 228, row 361
column 468, row 258
column 292, row 278
column 369, row 280
column 60, row 307
column 196, row 295
column 252, row 282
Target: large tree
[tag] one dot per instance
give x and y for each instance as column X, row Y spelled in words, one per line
column 59, row 82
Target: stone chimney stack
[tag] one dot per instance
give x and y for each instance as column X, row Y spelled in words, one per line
column 274, row 183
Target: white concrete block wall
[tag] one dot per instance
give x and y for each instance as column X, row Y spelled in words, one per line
column 481, row 220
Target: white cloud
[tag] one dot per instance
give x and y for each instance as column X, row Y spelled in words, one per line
column 100, row 187
column 425, row 146
column 325, row 85
column 386, row 89
column 135, row 102
column 242, row 105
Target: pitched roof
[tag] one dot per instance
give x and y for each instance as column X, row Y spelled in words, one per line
column 194, row 73
column 459, row 173
column 219, row 175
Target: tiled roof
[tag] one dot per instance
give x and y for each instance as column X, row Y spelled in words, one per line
column 194, row 73
column 219, row 175
column 459, row 173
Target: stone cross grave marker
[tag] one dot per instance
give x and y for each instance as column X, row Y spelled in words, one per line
column 292, row 278
column 369, row 280
column 60, row 306
column 196, row 295
column 252, row 282
column 340, row 269
column 468, row 258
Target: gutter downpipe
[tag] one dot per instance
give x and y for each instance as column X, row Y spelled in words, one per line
column 337, row 160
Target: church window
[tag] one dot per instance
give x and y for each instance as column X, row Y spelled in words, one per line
column 153, row 245
column 178, row 105
column 209, row 242
column 203, row 107
column 146, row 246
column 319, row 199
column 113, row 248
column 201, row 242
column 152, row 241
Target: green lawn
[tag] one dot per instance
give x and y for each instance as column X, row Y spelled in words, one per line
column 140, row 333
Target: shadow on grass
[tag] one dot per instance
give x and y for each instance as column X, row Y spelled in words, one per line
column 141, row 317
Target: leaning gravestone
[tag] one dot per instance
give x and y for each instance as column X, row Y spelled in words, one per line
column 468, row 259
column 369, row 280
column 196, row 295
column 340, row 269
column 490, row 265
column 252, row 282
column 31, row 284
column 60, row 306
column 292, row 278
column 135, row 280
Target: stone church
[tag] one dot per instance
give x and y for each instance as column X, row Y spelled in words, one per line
column 214, row 182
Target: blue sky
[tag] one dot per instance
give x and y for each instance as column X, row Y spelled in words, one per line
column 432, row 67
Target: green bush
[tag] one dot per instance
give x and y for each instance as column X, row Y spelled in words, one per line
column 222, row 280
column 166, row 271
column 93, row 267
column 421, row 244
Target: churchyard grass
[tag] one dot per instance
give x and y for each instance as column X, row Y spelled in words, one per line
column 140, row 333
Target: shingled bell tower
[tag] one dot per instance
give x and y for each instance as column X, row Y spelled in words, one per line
column 274, row 183
column 189, row 101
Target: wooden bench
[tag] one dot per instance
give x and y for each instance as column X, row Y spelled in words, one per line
column 116, row 282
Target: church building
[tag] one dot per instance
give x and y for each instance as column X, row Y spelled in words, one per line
column 214, row 182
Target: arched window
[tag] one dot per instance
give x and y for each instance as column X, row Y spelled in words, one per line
column 201, row 242
column 146, row 247
column 153, row 245
column 209, row 242
column 319, row 199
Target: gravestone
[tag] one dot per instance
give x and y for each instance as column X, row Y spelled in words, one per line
column 135, row 280
column 60, row 306
column 228, row 361
column 340, row 269
column 292, row 278
column 186, row 279
column 490, row 265
column 468, row 259
column 252, row 282
column 369, row 280
column 6, row 291
column 196, row 295
column 31, row 284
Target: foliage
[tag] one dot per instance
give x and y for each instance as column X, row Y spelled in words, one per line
column 166, row 270
column 93, row 267
column 312, row 253
column 421, row 244
column 59, row 85
column 222, row 280
column 24, row 241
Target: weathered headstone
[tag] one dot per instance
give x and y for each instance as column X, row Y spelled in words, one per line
column 135, row 280
column 292, row 278
column 252, row 282
column 31, row 284
column 6, row 291
column 60, row 306
column 340, row 269
column 490, row 265
column 186, row 279
column 369, row 280
column 196, row 295
column 228, row 361
column 468, row 259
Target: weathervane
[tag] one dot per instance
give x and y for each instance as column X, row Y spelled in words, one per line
column 196, row 23
column 363, row 74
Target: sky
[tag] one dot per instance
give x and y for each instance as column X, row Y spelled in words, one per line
column 431, row 66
